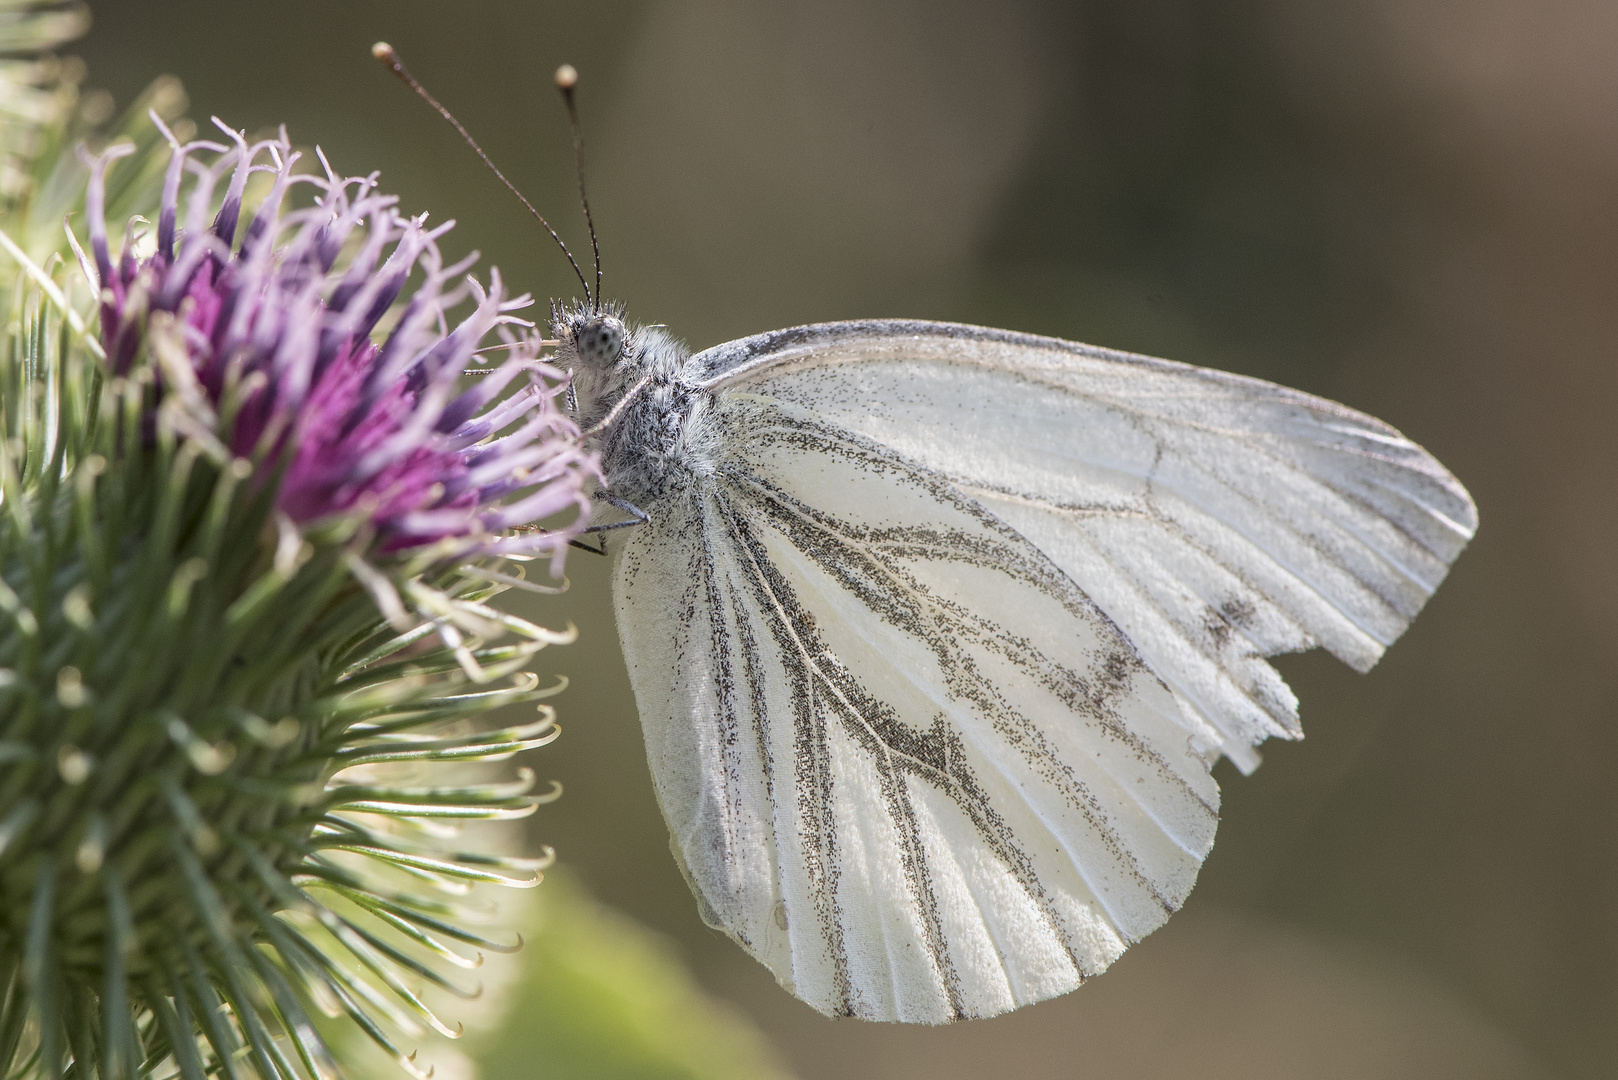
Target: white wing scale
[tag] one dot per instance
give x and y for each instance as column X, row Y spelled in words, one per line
column 1216, row 519
column 907, row 757
column 905, row 762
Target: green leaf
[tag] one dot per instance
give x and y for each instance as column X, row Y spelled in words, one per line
column 602, row 997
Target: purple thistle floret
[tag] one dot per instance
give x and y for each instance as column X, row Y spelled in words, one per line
column 273, row 340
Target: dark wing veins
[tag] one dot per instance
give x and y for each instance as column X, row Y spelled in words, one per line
column 861, row 560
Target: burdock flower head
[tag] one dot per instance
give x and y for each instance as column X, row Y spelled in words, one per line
column 252, row 509
column 275, row 338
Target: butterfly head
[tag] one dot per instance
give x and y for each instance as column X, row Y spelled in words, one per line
column 600, row 340
column 598, row 343
column 592, row 340
column 601, row 350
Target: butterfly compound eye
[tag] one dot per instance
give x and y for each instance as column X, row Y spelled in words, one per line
column 601, row 341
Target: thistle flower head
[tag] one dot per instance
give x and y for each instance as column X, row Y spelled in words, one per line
column 250, row 519
column 273, row 340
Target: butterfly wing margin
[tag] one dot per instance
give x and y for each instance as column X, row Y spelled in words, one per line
column 904, row 761
column 1217, row 519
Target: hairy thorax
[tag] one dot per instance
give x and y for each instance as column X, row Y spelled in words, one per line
column 659, row 434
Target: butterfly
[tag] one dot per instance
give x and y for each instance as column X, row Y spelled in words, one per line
column 936, row 631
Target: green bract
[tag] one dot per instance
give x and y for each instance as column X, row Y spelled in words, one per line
column 229, row 786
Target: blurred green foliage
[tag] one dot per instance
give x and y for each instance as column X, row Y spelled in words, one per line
column 602, row 998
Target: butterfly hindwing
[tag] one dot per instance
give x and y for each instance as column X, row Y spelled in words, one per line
column 1216, row 519
column 905, row 761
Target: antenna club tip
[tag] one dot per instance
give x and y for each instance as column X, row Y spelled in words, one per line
column 384, row 52
column 567, row 77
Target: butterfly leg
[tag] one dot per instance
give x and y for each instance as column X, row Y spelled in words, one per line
column 638, row 517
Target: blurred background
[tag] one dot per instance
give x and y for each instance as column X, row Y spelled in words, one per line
column 1407, row 205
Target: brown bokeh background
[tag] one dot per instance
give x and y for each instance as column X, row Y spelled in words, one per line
column 1407, row 205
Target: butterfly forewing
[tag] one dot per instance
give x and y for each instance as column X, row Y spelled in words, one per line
column 1215, row 519
column 905, row 760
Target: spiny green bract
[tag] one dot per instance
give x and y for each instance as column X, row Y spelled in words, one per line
column 216, row 758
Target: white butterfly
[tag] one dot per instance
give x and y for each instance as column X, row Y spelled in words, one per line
column 935, row 631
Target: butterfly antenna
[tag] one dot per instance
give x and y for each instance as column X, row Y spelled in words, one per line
column 384, row 52
column 567, row 77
